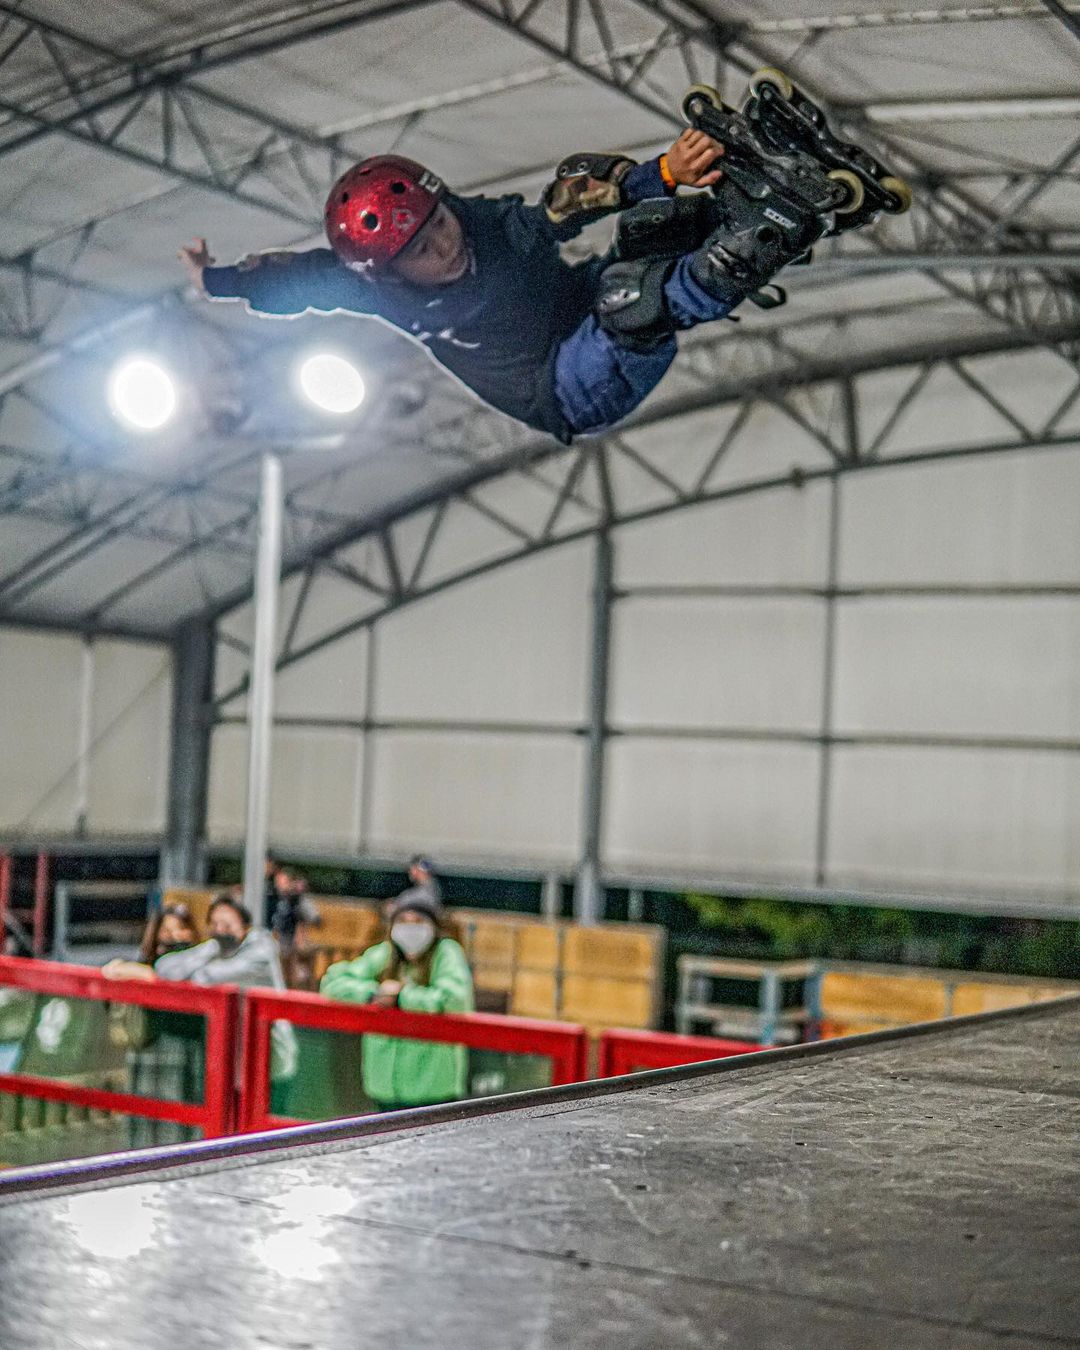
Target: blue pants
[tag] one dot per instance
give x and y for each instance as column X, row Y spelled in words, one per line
column 598, row 381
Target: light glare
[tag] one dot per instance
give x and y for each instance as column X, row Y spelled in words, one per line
column 331, row 383
column 142, row 393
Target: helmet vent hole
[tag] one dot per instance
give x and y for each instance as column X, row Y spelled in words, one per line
column 399, row 188
column 369, row 220
column 344, row 198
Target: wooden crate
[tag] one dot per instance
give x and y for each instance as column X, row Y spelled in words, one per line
column 866, row 999
column 601, row 1002
column 346, row 926
column 619, row 953
column 860, row 1001
column 977, row 997
column 534, row 994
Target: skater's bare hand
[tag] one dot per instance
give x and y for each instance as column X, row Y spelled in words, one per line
column 195, row 257
column 692, row 159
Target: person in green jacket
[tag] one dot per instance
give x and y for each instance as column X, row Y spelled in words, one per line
column 419, row 968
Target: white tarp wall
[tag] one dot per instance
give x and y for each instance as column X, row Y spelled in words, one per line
column 84, row 735
column 477, row 697
column 872, row 682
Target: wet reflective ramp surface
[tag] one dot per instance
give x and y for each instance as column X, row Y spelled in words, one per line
column 915, row 1191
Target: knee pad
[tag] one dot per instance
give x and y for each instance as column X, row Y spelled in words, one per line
column 664, row 227
column 631, row 306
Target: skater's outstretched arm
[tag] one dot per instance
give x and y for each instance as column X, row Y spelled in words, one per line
column 277, row 282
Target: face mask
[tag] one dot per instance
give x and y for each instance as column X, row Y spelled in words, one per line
column 412, row 938
column 164, row 948
column 227, row 943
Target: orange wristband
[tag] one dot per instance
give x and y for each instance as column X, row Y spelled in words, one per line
column 665, row 174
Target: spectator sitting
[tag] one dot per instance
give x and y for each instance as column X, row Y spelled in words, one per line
column 170, row 929
column 236, row 953
column 419, row 967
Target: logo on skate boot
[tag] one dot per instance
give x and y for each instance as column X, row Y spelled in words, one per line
column 778, row 219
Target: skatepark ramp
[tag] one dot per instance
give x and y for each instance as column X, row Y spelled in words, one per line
column 907, row 1188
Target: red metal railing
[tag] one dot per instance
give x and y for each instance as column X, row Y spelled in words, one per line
column 567, row 1046
column 628, row 1051
column 213, row 1115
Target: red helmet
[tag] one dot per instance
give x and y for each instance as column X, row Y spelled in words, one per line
column 377, row 207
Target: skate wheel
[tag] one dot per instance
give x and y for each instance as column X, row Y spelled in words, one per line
column 698, row 98
column 855, row 190
column 901, row 190
column 776, row 79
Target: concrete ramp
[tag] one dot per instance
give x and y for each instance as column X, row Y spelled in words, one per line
column 916, row 1190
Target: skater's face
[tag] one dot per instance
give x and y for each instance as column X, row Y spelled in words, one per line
column 439, row 255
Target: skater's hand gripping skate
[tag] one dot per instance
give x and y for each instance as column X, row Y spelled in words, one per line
column 691, row 161
column 195, row 257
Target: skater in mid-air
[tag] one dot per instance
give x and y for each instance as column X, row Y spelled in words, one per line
column 573, row 349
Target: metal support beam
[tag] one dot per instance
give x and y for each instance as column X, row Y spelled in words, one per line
column 261, row 707
column 366, row 787
column 589, row 888
column 828, row 689
column 184, row 855
column 1067, row 17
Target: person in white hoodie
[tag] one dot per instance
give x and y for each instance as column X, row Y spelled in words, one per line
column 235, row 953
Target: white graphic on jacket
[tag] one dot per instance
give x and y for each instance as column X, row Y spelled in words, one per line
column 444, row 335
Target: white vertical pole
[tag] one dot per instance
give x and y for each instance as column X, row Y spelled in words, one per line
column 589, row 883
column 261, row 700
column 86, row 719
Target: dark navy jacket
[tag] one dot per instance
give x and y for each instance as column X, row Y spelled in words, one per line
column 498, row 329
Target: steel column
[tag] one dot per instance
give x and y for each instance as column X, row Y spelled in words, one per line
column 184, row 855
column 589, row 891
column 86, row 719
column 367, row 743
column 261, row 705
column 828, row 684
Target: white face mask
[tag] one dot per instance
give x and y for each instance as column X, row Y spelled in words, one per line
column 413, row 939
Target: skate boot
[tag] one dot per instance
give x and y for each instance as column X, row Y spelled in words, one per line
column 785, row 178
column 778, row 119
column 788, row 119
column 752, row 238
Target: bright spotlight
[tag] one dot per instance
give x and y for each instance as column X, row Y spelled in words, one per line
column 142, row 393
column 331, row 383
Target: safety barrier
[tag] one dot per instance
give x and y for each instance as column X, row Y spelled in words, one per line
column 563, row 1044
column 629, row 1051
column 240, row 1090
column 63, row 984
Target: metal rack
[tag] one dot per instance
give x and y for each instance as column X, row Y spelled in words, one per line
column 769, row 1023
